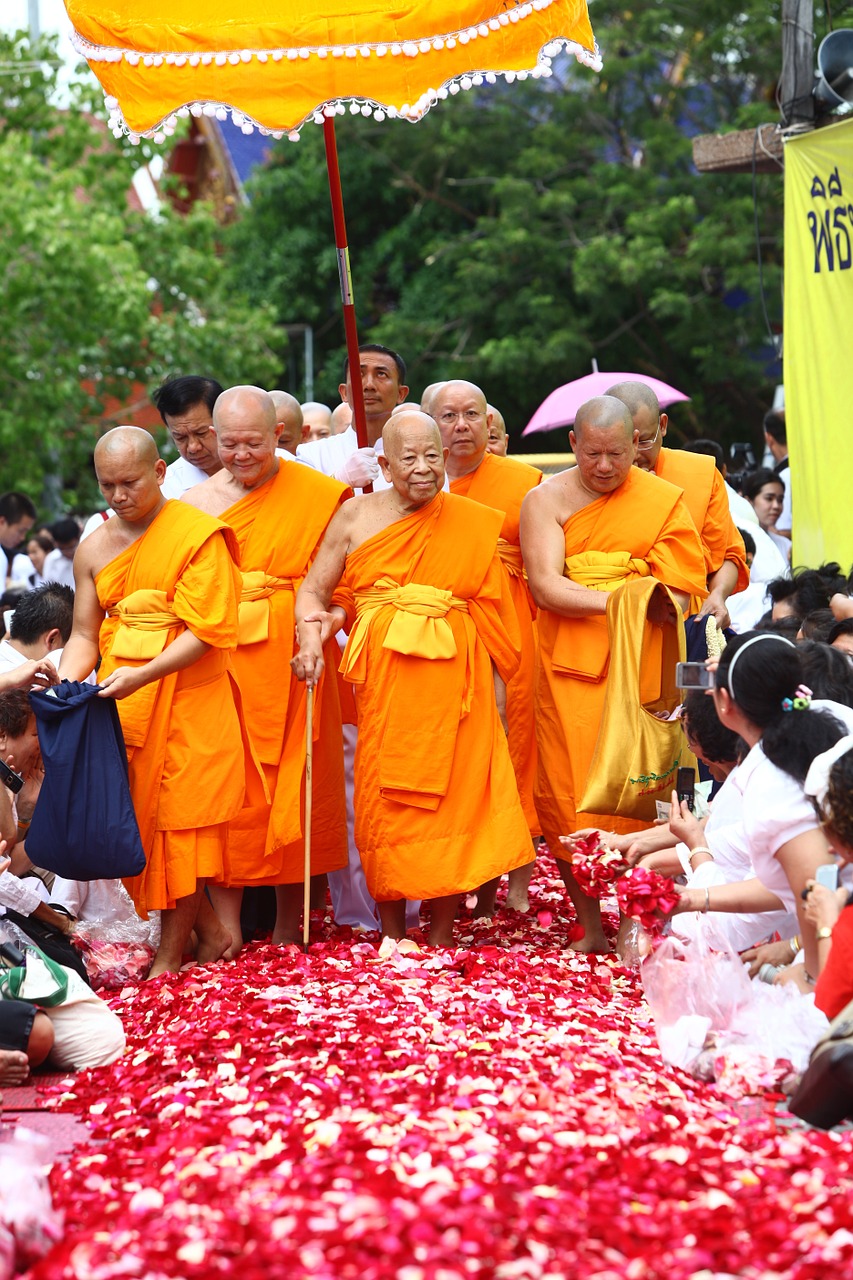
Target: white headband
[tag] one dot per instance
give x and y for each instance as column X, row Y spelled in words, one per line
column 764, row 635
column 817, row 778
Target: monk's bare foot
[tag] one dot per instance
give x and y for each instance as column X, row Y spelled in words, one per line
column 234, row 949
column 592, row 943
column 441, row 938
column 519, row 882
column 163, row 964
column 214, row 945
column 285, row 937
column 517, row 899
column 486, row 899
column 14, row 1067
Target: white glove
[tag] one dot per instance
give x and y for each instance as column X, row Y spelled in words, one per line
column 360, row 468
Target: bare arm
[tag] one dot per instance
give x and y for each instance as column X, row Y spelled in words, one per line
column 543, row 548
column 314, row 619
column 799, row 859
column 739, row 898
column 181, row 653
column 720, row 586
column 80, row 655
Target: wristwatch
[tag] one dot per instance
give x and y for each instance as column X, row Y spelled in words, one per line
column 823, row 932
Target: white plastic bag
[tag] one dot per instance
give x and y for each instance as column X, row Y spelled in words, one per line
column 29, row 1224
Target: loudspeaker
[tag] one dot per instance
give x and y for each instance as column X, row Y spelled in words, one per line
column 834, row 80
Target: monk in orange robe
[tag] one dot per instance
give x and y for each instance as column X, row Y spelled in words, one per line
column 465, row 422
column 584, row 532
column 704, row 492
column 279, row 510
column 164, row 576
column 432, row 646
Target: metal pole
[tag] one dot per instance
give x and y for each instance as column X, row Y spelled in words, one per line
column 309, row 362
column 35, row 26
column 359, row 419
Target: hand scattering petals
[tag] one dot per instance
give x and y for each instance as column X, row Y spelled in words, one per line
column 647, row 897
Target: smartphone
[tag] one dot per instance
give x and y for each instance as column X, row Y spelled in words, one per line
column 827, row 875
column 11, row 955
column 693, row 675
column 685, row 782
column 9, row 778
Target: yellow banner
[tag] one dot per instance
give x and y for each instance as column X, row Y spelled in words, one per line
column 818, row 347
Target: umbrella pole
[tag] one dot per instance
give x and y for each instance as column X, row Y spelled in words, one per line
column 347, row 299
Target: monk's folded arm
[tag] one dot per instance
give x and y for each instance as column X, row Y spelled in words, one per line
column 543, row 547
column 181, row 653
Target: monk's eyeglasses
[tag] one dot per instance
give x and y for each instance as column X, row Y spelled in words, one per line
column 649, row 444
column 449, row 417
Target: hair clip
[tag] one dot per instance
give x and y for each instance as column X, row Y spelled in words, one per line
column 801, row 700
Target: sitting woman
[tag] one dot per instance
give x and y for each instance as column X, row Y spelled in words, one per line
column 830, row 783
column 759, row 695
column 766, row 492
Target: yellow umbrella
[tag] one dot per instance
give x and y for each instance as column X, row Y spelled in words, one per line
column 274, row 64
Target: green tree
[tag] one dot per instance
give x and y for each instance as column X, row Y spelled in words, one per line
column 518, row 232
column 99, row 303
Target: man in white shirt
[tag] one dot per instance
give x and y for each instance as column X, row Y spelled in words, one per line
column 59, row 564
column 17, row 517
column 41, row 624
column 383, row 382
column 186, row 407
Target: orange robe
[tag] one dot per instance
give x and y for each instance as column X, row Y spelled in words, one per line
column 436, row 804
column 185, row 749
column 502, row 483
column 279, row 527
column 705, row 495
column 647, row 520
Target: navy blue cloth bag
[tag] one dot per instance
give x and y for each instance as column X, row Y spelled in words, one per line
column 84, row 827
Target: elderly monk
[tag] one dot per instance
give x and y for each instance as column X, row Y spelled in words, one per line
column 288, row 419
column 498, row 439
column 583, row 533
column 704, row 492
column 279, row 513
column 316, row 420
column 464, row 420
column 437, row 810
column 164, row 576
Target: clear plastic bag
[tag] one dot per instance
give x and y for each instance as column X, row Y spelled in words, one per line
column 711, row 1019
column 116, row 953
column 29, row 1224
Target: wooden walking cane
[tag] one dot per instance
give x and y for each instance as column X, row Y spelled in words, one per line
column 309, row 795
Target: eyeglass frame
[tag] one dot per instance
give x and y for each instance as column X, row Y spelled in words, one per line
column 646, row 445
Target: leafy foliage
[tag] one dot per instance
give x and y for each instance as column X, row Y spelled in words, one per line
column 99, row 302
column 518, row 232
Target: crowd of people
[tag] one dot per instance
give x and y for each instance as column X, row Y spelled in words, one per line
column 452, row 616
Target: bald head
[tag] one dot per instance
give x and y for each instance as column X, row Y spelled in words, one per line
column 428, row 393
column 341, row 418
column 603, row 441
column 452, row 390
column 132, row 441
column 635, row 395
column 603, row 413
column 288, row 417
column 498, row 441
column 402, row 428
column 649, row 423
column 244, row 406
column 130, row 472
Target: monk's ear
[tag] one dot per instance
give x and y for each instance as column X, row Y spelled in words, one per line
column 572, row 442
column 664, row 423
column 160, row 470
column 385, row 467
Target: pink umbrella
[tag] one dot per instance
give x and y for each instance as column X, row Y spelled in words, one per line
column 561, row 406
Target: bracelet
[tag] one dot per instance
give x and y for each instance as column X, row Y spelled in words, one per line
column 796, row 945
column 824, row 933
column 707, row 906
column 24, row 824
column 700, row 848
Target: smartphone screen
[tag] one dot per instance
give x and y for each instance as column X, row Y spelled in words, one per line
column 827, row 875
column 693, row 675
